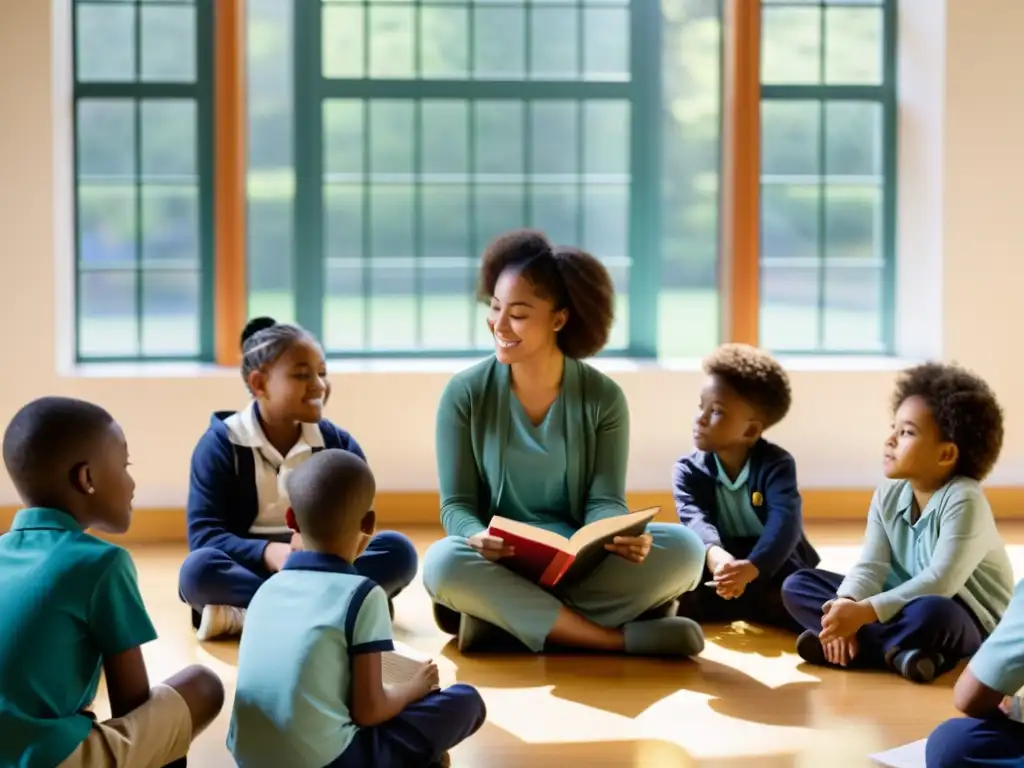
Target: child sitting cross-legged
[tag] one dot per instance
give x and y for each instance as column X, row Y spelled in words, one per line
column 934, row 577
column 739, row 492
column 72, row 607
column 310, row 691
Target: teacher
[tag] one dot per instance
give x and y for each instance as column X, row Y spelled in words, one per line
column 534, row 434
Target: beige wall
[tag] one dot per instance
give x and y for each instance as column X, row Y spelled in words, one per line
column 961, row 242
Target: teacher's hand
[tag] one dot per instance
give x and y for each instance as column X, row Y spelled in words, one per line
column 491, row 547
column 632, row 548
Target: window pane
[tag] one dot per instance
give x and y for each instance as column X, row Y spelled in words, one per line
column 393, row 300
column 343, row 46
column 789, row 221
column 392, row 142
column 445, row 143
column 791, row 45
column 344, row 322
column 270, row 182
column 107, row 320
column 606, row 220
column 392, row 48
column 619, row 337
column 444, row 42
column 106, row 226
column 498, row 208
column 853, row 222
column 790, row 133
column 499, row 42
column 688, row 296
column 853, row 136
column 554, row 43
column 106, row 138
column 105, row 42
column 448, row 276
column 853, row 309
column 606, row 136
column 170, row 321
column 790, row 301
column 555, row 210
column 606, row 43
column 554, row 137
column 853, row 45
column 499, row 137
column 344, row 138
column 168, row 44
column 170, row 226
column 343, row 221
column 168, row 138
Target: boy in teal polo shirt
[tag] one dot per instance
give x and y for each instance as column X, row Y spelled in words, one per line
column 310, row 691
column 76, row 609
column 933, row 578
column 739, row 493
column 986, row 692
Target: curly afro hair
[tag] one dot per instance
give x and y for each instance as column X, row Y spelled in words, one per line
column 965, row 410
column 569, row 277
column 755, row 376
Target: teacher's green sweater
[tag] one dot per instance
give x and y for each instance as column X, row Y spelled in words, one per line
column 472, row 427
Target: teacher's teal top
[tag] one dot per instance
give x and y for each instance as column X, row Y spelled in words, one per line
column 482, row 442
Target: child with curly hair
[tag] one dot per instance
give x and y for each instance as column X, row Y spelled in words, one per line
column 934, row 577
column 739, row 493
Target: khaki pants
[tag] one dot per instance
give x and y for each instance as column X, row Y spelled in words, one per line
column 157, row 733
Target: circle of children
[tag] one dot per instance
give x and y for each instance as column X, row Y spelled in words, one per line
column 282, row 539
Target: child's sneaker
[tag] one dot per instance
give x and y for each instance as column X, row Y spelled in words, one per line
column 220, row 620
column 809, row 648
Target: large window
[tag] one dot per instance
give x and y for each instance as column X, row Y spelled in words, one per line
column 143, row 191
column 827, row 175
column 388, row 141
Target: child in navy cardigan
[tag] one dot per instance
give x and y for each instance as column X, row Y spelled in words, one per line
column 237, row 498
column 739, row 493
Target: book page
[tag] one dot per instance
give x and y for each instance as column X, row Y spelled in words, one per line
column 609, row 526
column 908, row 756
column 529, row 532
column 398, row 666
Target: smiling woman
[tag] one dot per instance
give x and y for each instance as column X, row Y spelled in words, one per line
column 536, row 435
column 238, row 499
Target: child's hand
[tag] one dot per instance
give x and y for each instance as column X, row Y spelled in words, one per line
column 841, row 651
column 425, row 680
column 716, row 558
column 275, row 555
column 844, row 618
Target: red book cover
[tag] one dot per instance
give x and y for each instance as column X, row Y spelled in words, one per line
column 547, row 558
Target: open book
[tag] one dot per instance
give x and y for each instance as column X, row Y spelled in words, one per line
column 907, row 756
column 549, row 558
column 398, row 666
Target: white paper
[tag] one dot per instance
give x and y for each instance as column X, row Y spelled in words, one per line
column 908, row 756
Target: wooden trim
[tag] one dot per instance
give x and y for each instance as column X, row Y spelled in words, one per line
column 420, row 508
column 741, row 169
column 230, row 293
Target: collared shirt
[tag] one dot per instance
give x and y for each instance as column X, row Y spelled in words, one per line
column 272, row 469
column 999, row 663
column 953, row 550
column 302, row 629
column 70, row 601
column 737, row 518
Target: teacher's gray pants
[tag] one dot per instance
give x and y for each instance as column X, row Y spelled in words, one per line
column 618, row 591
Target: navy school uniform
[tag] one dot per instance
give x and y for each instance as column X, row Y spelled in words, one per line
column 237, row 503
column 758, row 517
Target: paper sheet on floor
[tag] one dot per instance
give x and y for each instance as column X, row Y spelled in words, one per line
column 908, row 756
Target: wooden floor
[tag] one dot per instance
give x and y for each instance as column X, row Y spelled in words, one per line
column 748, row 700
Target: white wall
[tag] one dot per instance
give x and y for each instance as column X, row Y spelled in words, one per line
column 961, row 242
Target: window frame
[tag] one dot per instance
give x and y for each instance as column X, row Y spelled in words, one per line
column 136, row 91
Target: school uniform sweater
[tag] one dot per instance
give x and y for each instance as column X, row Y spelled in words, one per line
column 771, row 482
column 223, row 493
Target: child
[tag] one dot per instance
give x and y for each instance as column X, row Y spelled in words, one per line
column 309, row 687
column 237, row 498
column 74, row 607
column 739, row 492
column 992, row 733
column 933, row 577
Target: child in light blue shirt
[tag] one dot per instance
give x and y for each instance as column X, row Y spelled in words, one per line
column 309, row 691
